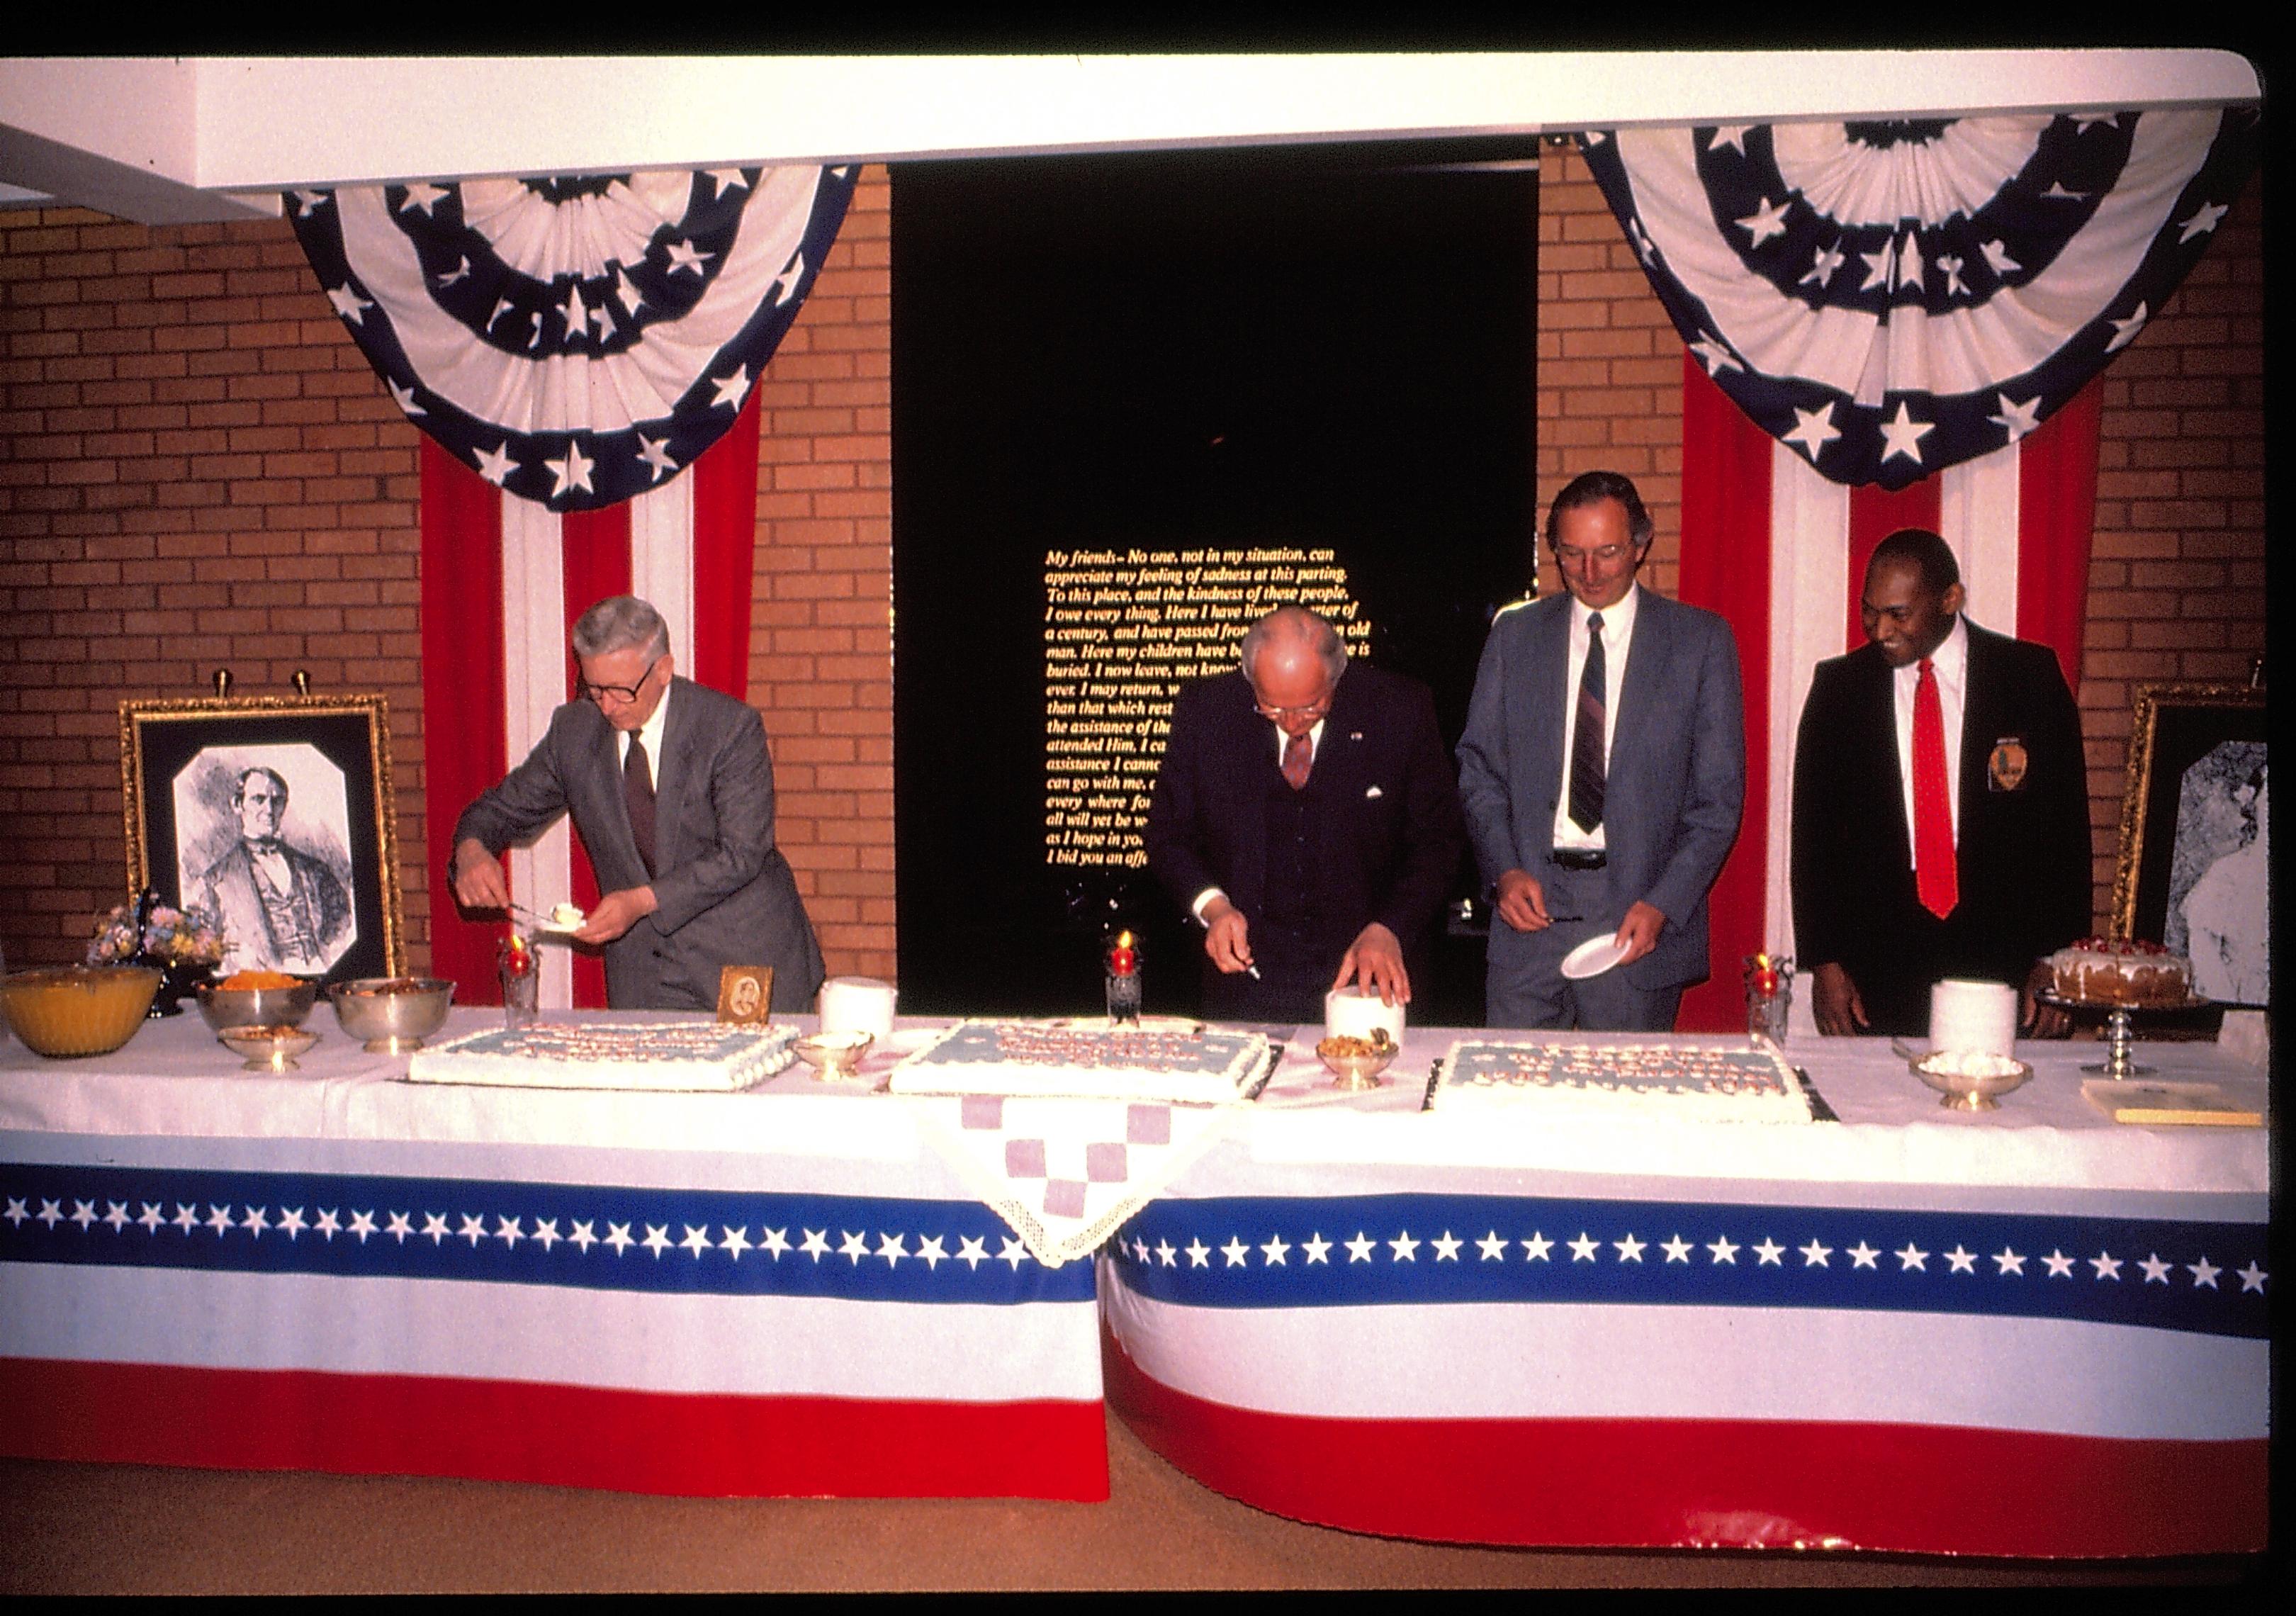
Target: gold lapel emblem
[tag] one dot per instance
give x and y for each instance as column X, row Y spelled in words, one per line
column 2006, row 769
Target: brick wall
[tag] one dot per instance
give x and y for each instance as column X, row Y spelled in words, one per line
column 821, row 651
column 2176, row 577
column 1610, row 364
column 199, row 470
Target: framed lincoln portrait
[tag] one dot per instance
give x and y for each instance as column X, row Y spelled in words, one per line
column 272, row 814
column 2195, row 836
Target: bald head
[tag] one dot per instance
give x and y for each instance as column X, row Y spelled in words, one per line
column 1293, row 658
column 1292, row 633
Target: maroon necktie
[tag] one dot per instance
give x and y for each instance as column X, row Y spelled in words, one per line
column 1587, row 771
column 637, row 793
column 1935, row 876
column 1299, row 758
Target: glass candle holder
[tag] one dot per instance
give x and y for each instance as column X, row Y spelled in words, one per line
column 1121, row 977
column 1769, row 995
column 520, row 972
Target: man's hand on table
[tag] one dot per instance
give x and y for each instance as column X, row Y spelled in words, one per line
column 2035, row 1018
column 616, row 913
column 1375, row 960
column 1521, row 901
column 1834, row 1000
column 1227, row 936
column 479, row 882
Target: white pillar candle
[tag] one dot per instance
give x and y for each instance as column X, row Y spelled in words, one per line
column 858, row 1003
column 1973, row 1018
column 1350, row 1012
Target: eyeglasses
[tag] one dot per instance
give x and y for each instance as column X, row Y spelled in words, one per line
column 1314, row 710
column 1567, row 554
column 625, row 692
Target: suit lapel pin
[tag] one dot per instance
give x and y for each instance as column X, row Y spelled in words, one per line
column 1355, row 734
column 2005, row 768
column 1375, row 792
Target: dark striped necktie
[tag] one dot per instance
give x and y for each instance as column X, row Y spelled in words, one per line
column 637, row 794
column 1586, row 768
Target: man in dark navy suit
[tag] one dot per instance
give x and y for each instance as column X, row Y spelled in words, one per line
column 1940, row 806
column 1305, row 814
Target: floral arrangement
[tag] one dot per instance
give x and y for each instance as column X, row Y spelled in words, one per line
column 167, row 935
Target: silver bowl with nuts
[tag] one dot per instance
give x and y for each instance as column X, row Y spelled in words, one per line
column 228, row 1007
column 393, row 1015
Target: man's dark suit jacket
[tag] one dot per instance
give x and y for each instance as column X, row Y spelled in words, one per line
column 1381, row 815
column 2023, row 856
column 726, row 895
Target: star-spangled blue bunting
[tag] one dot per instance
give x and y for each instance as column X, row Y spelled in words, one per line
column 1408, row 1251
column 575, row 340
column 588, row 1236
column 1892, row 298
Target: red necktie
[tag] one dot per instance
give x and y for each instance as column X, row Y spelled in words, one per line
column 1935, row 877
column 1299, row 757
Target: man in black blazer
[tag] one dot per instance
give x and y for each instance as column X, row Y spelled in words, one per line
column 1305, row 813
column 1868, row 923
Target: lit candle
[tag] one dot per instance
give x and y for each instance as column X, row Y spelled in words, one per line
column 1121, row 959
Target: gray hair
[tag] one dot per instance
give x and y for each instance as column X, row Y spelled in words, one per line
column 1297, row 625
column 617, row 623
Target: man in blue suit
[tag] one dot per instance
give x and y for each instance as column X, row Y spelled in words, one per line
column 1602, row 771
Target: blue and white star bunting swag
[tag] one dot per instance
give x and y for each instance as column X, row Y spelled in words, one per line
column 575, row 341
column 1890, row 298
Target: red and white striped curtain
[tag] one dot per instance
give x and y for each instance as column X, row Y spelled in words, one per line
column 581, row 353
column 1781, row 552
column 503, row 581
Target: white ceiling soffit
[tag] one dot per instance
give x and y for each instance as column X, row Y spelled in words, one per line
column 167, row 140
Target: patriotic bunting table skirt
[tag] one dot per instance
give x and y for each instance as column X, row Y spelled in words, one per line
column 778, row 1293
column 2030, row 1332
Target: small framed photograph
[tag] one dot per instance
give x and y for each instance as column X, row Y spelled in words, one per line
column 745, row 995
column 273, row 814
column 2196, row 841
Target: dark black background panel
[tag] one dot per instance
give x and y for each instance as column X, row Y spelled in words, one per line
column 1309, row 347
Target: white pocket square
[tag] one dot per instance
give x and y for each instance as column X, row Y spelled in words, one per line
column 1375, row 792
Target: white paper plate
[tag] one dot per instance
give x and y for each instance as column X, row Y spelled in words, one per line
column 1592, row 957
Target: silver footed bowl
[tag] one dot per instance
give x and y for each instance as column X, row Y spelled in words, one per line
column 1970, row 1083
column 833, row 1055
column 1353, row 1067
column 392, row 1015
column 225, row 1007
column 267, row 1048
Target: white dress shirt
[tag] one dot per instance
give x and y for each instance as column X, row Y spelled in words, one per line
column 1618, row 640
column 651, row 732
column 1950, row 661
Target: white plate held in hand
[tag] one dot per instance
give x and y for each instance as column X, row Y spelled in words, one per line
column 1592, row 957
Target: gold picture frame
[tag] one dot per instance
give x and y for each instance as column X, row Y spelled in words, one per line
column 277, row 814
column 2181, row 808
column 745, row 995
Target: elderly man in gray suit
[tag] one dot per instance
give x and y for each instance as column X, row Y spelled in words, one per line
column 1603, row 770
column 670, row 784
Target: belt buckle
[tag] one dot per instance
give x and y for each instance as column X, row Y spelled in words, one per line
column 1578, row 858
